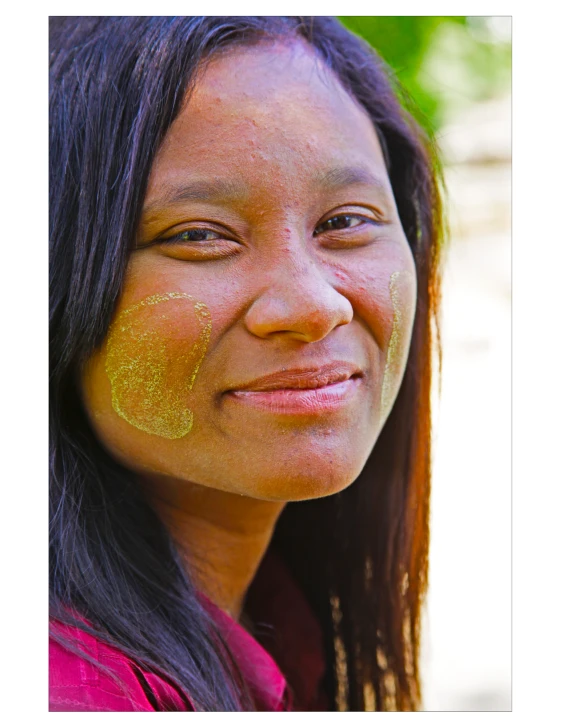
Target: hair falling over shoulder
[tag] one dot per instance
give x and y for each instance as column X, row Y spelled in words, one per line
column 117, row 84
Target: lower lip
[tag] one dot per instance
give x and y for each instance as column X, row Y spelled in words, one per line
column 300, row 401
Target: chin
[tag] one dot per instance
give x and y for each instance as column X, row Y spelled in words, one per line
column 317, row 480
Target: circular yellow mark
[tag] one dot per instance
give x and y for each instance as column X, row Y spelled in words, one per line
column 152, row 366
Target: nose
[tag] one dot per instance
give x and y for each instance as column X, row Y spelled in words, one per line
column 298, row 303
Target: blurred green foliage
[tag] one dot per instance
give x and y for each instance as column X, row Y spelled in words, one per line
column 444, row 63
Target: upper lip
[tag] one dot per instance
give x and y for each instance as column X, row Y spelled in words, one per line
column 302, row 378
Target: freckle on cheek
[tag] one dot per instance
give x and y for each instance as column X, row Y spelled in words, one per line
column 152, row 363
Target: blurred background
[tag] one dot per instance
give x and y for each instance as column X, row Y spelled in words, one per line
column 457, row 73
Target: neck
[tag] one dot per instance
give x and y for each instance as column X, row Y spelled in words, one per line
column 222, row 537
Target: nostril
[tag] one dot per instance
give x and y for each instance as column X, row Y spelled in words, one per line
column 303, row 307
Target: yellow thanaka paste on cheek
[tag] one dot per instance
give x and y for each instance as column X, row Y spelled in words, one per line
column 152, row 364
column 396, row 347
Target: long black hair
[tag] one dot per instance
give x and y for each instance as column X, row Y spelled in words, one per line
column 117, row 84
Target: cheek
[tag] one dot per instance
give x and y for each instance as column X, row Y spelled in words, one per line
column 402, row 298
column 383, row 294
column 154, row 350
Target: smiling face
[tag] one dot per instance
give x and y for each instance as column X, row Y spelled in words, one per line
column 266, row 314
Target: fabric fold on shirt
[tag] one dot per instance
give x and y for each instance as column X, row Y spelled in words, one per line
column 282, row 661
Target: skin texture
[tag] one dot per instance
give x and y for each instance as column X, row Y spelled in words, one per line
column 400, row 287
column 151, row 368
column 268, row 149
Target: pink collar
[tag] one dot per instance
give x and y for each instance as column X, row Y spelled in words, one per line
column 264, row 677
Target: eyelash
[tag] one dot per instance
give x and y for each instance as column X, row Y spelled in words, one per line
column 179, row 238
column 341, row 216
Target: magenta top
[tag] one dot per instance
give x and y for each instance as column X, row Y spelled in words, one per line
column 284, row 668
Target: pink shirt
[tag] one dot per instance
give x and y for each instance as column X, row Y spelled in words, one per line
column 285, row 676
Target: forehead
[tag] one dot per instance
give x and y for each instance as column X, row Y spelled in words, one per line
column 268, row 110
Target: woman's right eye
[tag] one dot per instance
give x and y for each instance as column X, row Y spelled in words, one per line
column 195, row 235
column 198, row 243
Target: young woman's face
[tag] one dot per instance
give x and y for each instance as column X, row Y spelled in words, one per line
column 266, row 314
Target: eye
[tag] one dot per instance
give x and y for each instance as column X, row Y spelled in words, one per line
column 341, row 222
column 195, row 235
column 197, row 243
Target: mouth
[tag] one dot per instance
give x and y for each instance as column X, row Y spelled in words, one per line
column 315, row 390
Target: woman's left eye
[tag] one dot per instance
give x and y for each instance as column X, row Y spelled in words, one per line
column 341, row 222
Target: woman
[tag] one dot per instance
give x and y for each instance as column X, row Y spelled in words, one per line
column 245, row 234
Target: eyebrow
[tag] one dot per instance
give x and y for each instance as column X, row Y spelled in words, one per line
column 347, row 176
column 220, row 189
column 199, row 190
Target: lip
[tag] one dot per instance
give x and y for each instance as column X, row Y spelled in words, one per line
column 312, row 390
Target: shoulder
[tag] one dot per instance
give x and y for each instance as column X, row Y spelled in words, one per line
column 87, row 674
